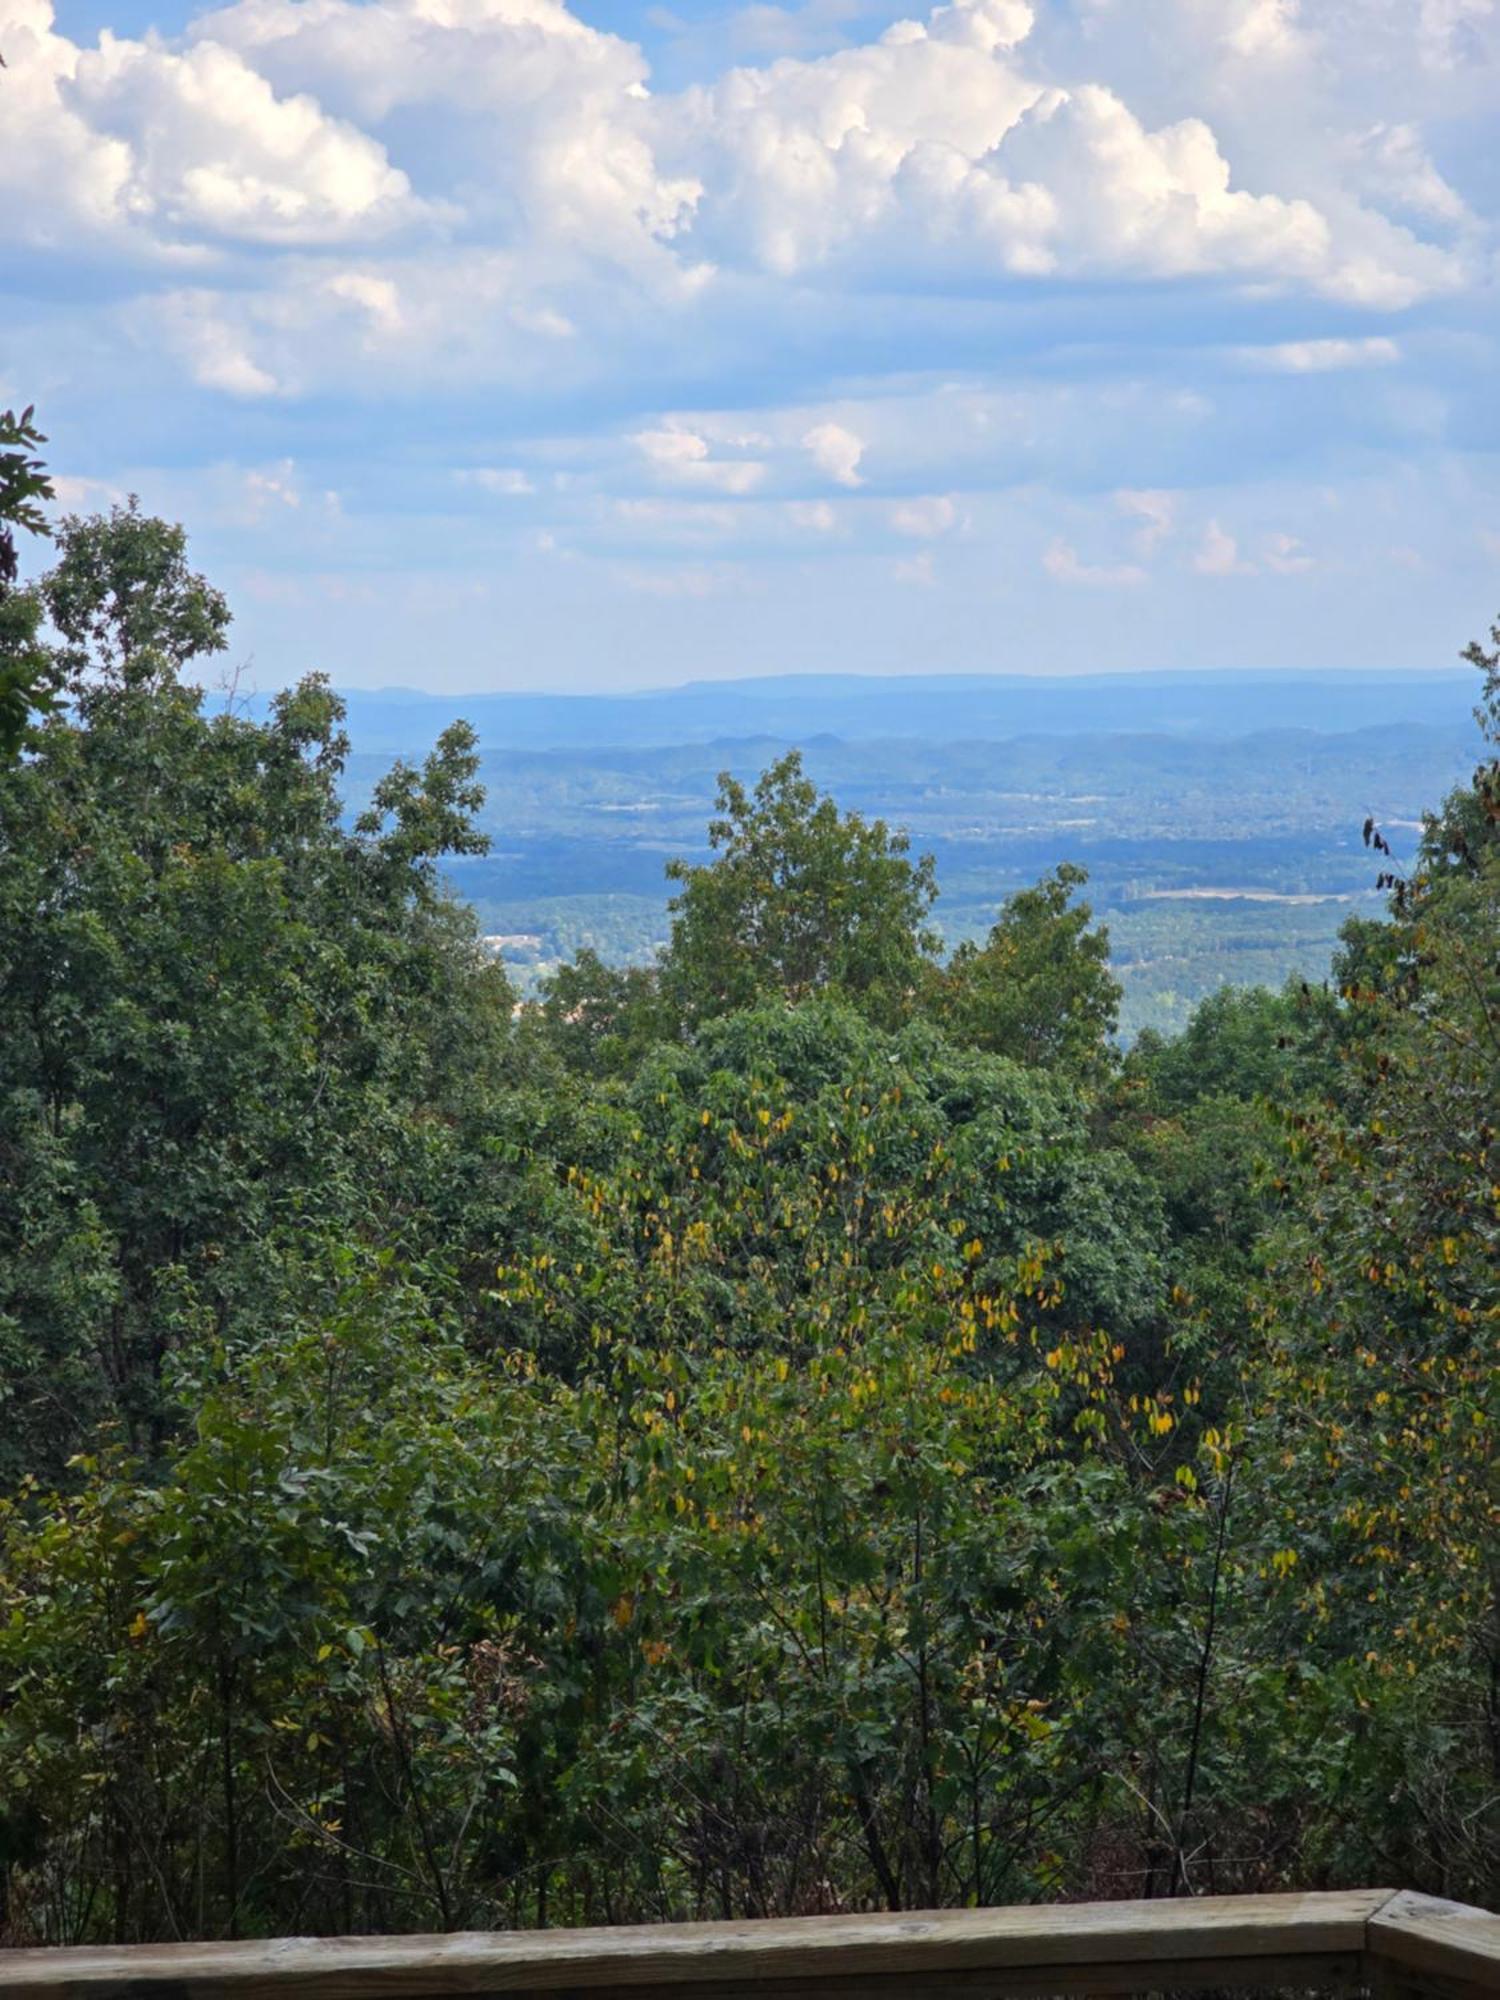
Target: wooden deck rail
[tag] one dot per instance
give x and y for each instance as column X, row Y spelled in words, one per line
column 1394, row 1946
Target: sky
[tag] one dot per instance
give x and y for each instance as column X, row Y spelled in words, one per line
column 522, row 344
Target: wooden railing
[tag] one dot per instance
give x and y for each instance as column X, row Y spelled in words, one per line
column 1393, row 1946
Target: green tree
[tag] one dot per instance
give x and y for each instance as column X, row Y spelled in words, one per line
column 799, row 900
column 1039, row 989
column 1244, row 1043
column 1466, row 830
column 1378, row 1393
column 803, row 1166
column 229, row 1029
column 25, row 662
column 126, row 606
column 601, row 1019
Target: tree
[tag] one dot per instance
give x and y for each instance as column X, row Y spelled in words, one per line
column 1039, row 989
column 800, row 900
column 602, row 1019
column 1243, row 1043
column 799, row 1167
column 126, row 606
column 1378, row 1393
column 25, row 663
column 1467, row 828
column 231, row 1031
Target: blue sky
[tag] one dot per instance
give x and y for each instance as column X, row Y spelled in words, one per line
column 487, row 343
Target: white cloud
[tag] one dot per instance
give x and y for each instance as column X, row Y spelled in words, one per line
column 77, row 496
column 1393, row 164
column 684, row 456
column 215, row 350
column 836, row 452
column 1156, row 511
column 1321, row 357
column 781, row 314
column 513, row 187
column 58, row 175
column 937, row 150
column 376, row 296
column 1062, row 562
column 672, row 448
column 924, row 520
column 543, row 117
column 176, row 149
column 1265, row 28
column 215, row 150
column 271, row 486
column 1449, row 29
column 1219, row 554
column 1287, row 556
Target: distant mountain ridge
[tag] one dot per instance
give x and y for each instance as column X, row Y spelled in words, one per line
column 862, row 708
column 1218, row 814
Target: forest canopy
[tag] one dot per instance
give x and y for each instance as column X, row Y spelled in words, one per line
column 808, row 1425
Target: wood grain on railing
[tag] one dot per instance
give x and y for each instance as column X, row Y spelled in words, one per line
column 1422, row 1944
column 1396, row 1945
column 1084, row 1948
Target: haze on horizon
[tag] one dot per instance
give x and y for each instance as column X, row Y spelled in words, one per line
column 515, row 344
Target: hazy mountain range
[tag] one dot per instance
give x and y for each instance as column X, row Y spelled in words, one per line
column 1219, row 815
column 864, row 706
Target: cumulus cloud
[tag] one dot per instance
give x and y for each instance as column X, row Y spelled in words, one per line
column 216, row 151
column 59, row 178
column 1063, row 563
column 1156, row 512
column 543, row 117
column 399, row 202
column 683, row 456
column 836, row 452
column 1265, row 28
column 672, row 449
column 132, row 139
column 1219, row 554
column 937, row 149
column 509, row 182
column 379, row 298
